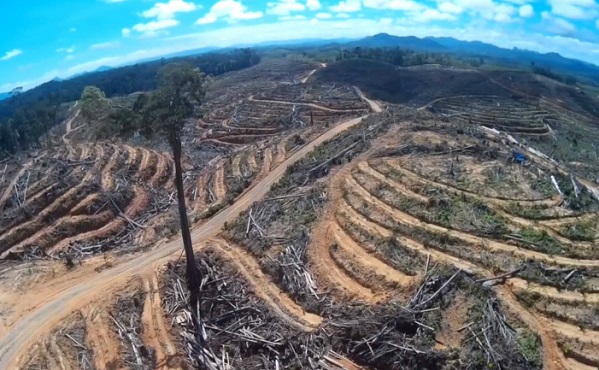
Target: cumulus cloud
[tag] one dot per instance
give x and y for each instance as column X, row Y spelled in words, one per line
column 11, row 54
column 284, row 7
column 557, row 26
column 292, row 17
column 162, row 11
column 324, row 16
column 154, row 26
column 231, row 10
column 574, row 9
column 405, row 5
column 428, row 15
column 447, row 7
column 500, row 13
column 526, row 11
column 164, row 17
column 347, row 6
column 488, row 9
column 313, row 4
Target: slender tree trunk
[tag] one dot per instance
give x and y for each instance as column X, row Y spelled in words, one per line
column 193, row 275
column 47, row 134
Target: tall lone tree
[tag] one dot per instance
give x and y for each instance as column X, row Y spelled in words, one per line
column 181, row 90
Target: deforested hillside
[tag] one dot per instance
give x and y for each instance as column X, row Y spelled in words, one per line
column 345, row 216
column 418, row 85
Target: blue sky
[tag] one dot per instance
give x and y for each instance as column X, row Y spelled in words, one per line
column 43, row 39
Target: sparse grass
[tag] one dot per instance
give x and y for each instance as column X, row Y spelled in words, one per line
column 449, row 210
column 581, row 231
column 530, row 212
column 530, row 347
column 542, row 241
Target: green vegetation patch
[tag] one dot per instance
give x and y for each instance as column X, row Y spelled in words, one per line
column 581, row 231
column 541, row 241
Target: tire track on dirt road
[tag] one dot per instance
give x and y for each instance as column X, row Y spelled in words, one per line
column 101, row 339
column 154, row 330
column 14, row 341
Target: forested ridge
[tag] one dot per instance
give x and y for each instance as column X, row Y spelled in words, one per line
column 26, row 116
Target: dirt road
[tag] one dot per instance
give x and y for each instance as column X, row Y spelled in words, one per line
column 373, row 105
column 70, row 124
column 316, row 106
column 46, row 312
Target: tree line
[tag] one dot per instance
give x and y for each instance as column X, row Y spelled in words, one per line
column 547, row 72
column 26, row 117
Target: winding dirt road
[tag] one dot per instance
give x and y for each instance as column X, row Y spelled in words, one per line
column 312, row 105
column 46, row 311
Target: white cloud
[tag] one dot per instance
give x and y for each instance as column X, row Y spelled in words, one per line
column 574, row 9
column 154, row 26
column 476, row 5
column 69, row 57
column 557, row 26
column 324, row 16
column 504, row 12
column 68, row 50
column 163, row 11
column 11, row 54
column 431, row 15
column 72, row 29
column 164, row 17
column 405, row 5
column 284, row 7
column 597, row 24
column 230, row 10
column 114, row 1
column 292, row 17
column 526, row 11
column 106, row 45
column 313, row 5
column 447, row 7
column 342, row 15
column 347, row 6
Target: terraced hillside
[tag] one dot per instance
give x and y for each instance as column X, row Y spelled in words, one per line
column 428, row 195
column 445, row 197
column 71, row 197
column 256, row 108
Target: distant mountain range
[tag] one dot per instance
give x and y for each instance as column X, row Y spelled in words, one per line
column 515, row 56
column 512, row 57
column 99, row 69
column 384, row 40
